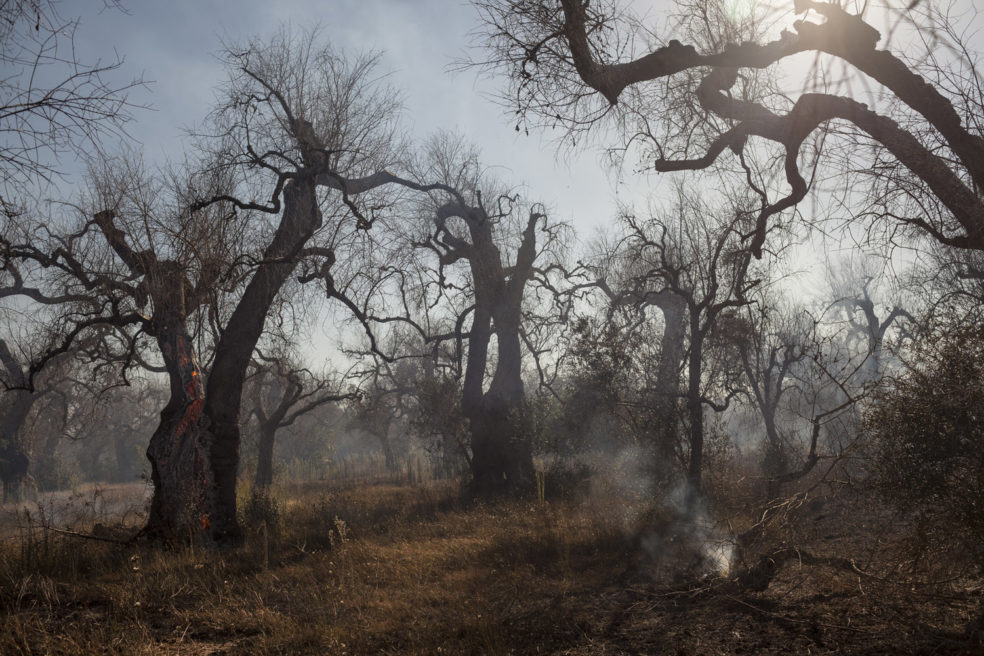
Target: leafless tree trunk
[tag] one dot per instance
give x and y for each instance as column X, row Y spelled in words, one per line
column 283, row 392
column 502, row 458
column 16, row 404
column 178, row 465
column 668, row 379
column 695, row 269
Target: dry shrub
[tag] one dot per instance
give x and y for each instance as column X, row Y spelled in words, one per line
column 569, row 481
column 926, row 446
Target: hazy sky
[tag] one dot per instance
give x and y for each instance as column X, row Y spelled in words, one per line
column 174, row 44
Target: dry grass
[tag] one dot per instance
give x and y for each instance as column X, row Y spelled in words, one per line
column 385, row 569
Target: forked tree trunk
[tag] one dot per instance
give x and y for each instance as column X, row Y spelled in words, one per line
column 502, row 458
column 195, row 450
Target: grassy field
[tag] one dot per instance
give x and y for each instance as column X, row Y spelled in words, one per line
column 395, row 569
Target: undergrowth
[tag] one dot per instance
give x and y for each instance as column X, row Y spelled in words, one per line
column 388, row 569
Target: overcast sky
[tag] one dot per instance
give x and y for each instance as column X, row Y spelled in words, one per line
column 173, row 45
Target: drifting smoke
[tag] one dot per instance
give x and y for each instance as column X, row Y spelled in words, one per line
column 621, row 487
column 689, row 538
column 716, row 547
column 673, row 528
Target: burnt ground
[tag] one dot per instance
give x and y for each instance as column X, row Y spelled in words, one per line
column 388, row 569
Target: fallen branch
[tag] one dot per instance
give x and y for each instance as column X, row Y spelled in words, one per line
column 759, row 576
column 86, row 536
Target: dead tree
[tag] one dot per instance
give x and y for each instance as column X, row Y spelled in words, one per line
column 182, row 255
column 472, row 227
column 501, row 455
column 700, row 260
column 636, row 288
column 771, row 344
column 282, row 392
column 697, row 105
column 304, row 124
column 468, row 227
column 853, row 298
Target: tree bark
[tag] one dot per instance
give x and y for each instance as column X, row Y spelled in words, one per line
column 14, row 459
column 178, row 463
column 194, row 453
column 502, row 457
column 223, row 395
column 667, row 392
column 264, row 458
column 695, row 410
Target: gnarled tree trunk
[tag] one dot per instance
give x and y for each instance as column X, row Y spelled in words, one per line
column 178, row 463
column 667, row 388
column 502, row 458
column 195, row 450
column 17, row 403
column 223, row 395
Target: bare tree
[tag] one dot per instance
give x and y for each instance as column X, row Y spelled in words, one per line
column 298, row 118
column 571, row 61
column 504, row 243
column 628, row 281
column 282, row 392
column 854, row 286
column 483, row 247
column 51, row 104
column 34, row 409
column 771, row 343
column 698, row 257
